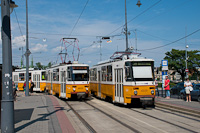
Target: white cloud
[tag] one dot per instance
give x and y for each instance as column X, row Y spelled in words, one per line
column 18, row 41
column 56, row 50
column 38, row 48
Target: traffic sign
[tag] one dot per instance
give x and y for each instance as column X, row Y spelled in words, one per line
column 186, row 70
column 164, row 65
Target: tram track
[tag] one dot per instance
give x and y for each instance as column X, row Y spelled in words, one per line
column 179, row 110
column 177, row 113
column 151, row 116
column 110, row 116
column 87, row 125
column 90, row 128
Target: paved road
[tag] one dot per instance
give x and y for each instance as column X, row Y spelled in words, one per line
column 48, row 114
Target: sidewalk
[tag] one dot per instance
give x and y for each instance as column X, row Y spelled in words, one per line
column 40, row 113
column 193, row 106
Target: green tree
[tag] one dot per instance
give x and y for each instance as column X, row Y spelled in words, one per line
column 49, row 64
column 39, row 65
column 176, row 61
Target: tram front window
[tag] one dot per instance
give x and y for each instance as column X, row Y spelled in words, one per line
column 78, row 73
column 80, row 77
column 139, row 71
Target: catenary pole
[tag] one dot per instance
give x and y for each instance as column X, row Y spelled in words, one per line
column 27, row 53
column 7, row 105
column 126, row 29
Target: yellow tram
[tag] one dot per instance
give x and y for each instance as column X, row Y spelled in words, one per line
column 68, row 79
column 37, row 77
column 125, row 78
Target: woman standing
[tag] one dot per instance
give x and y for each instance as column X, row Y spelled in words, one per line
column 187, row 86
column 167, row 87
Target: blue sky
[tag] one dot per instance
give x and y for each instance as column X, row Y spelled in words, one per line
column 167, row 21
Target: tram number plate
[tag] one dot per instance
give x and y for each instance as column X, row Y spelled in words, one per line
column 144, row 90
column 80, row 88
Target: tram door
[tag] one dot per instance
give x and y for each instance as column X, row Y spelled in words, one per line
column 36, row 81
column 119, row 96
column 51, row 83
column 63, row 84
column 99, row 84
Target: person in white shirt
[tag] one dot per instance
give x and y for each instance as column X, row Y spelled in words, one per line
column 187, row 86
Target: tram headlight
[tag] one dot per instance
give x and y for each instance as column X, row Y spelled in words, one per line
column 135, row 92
column 86, row 89
column 74, row 89
column 152, row 92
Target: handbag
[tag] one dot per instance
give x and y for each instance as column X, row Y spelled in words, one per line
column 190, row 88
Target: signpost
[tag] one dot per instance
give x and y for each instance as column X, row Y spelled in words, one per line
column 164, row 73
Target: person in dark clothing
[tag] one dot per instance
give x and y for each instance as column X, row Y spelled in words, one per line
column 24, row 86
column 32, row 86
column 14, row 91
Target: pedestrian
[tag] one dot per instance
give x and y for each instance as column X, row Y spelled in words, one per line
column 167, row 87
column 156, row 85
column 188, row 88
column 24, row 86
column 14, row 91
column 32, row 86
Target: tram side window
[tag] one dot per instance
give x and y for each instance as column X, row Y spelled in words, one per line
column 43, row 75
column 128, row 72
column 29, row 76
column 21, row 77
column 56, row 75
column 103, row 71
column 69, row 77
column 109, row 73
column 93, row 75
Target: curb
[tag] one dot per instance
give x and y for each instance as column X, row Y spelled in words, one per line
column 179, row 109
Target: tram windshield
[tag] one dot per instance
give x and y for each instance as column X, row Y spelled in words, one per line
column 139, row 71
column 78, row 74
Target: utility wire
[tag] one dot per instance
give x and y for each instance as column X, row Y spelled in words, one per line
column 167, row 11
column 137, row 16
column 79, row 18
column 59, row 34
column 19, row 26
column 171, row 42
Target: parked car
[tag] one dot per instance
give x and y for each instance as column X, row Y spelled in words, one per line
column 175, row 90
column 195, row 94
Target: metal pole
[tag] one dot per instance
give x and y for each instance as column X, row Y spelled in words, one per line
column 186, row 61
column 186, row 52
column 126, row 29
column 22, row 57
column 135, row 40
column 7, row 105
column 27, row 53
column 100, row 51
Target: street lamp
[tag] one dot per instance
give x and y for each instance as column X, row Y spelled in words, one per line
column 7, row 105
column 126, row 29
column 186, row 58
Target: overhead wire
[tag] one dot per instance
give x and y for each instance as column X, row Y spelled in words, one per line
column 171, row 42
column 19, row 26
column 78, row 18
column 137, row 16
column 175, row 7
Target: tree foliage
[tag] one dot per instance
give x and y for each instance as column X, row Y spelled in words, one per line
column 176, row 61
column 39, row 65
